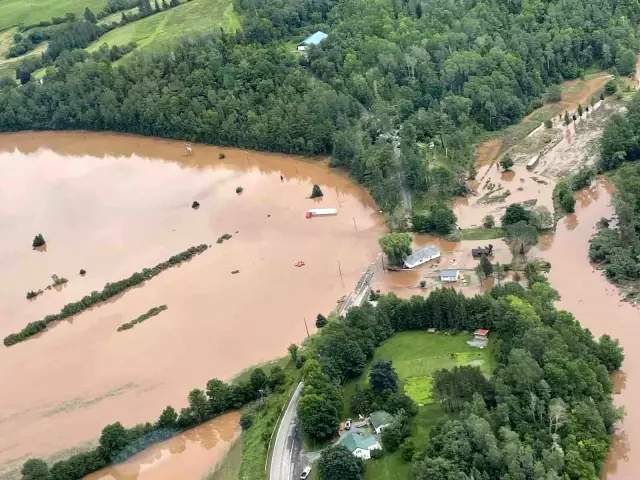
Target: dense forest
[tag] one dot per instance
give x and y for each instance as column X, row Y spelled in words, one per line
column 616, row 245
column 431, row 74
column 545, row 413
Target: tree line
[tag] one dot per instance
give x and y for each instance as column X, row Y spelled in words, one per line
column 433, row 75
column 118, row 443
column 545, row 413
column 109, row 291
column 616, row 247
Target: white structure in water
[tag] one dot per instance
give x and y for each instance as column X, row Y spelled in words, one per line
column 422, row 256
column 321, row 212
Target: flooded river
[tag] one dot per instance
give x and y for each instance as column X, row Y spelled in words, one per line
column 112, row 205
column 597, row 305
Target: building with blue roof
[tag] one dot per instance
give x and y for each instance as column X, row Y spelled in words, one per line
column 314, row 39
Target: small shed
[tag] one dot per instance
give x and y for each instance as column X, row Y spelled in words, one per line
column 422, row 256
column 314, row 39
column 449, row 275
column 480, row 338
column 380, row 420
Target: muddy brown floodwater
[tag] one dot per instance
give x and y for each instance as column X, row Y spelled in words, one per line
column 597, row 305
column 186, row 456
column 112, row 205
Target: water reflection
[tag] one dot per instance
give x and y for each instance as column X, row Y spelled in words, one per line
column 188, row 455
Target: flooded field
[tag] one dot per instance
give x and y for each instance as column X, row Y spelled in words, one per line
column 187, row 456
column 112, row 205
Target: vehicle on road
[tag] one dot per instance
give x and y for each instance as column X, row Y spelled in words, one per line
column 305, row 473
column 347, row 426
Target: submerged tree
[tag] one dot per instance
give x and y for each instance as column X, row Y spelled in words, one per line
column 316, row 192
column 520, row 237
column 38, row 241
column 396, row 246
column 506, row 163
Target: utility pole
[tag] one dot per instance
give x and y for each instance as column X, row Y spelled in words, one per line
column 305, row 327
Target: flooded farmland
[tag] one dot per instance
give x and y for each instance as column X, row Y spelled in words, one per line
column 112, row 205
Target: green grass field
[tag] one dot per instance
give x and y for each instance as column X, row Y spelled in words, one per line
column 481, row 233
column 160, row 29
column 15, row 12
column 416, row 355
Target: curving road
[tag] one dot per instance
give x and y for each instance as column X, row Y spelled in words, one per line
column 285, row 459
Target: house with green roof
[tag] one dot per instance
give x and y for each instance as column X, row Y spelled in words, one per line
column 379, row 420
column 360, row 445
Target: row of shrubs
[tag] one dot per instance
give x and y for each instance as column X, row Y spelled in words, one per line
column 109, row 291
column 118, row 443
column 145, row 316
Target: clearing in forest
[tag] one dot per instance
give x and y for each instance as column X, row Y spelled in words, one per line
column 416, row 355
column 168, row 26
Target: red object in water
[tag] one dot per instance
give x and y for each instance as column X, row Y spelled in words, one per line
column 308, row 215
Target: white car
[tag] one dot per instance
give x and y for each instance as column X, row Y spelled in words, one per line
column 305, row 473
column 347, row 426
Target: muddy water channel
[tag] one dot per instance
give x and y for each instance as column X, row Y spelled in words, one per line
column 113, row 205
column 598, row 306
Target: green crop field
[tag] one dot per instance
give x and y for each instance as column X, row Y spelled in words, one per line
column 197, row 16
column 15, row 12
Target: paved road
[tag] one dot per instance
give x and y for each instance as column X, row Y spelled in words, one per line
column 285, row 459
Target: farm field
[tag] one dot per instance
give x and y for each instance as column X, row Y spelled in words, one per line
column 15, row 12
column 197, row 16
column 416, row 355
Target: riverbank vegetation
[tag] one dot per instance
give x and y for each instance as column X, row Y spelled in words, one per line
column 385, row 71
column 616, row 245
column 118, row 443
column 109, row 291
column 548, row 397
column 145, row 316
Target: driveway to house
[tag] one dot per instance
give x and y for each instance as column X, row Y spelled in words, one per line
column 286, row 457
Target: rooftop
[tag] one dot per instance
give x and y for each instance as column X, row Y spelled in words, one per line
column 380, row 418
column 421, row 256
column 448, row 273
column 353, row 441
column 314, row 39
column 482, row 332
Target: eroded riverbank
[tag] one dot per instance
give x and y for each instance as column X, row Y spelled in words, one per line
column 112, row 205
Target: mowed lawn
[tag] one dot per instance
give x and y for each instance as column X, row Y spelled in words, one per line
column 415, row 356
column 166, row 27
column 15, row 12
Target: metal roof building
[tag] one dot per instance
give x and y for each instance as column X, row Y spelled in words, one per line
column 314, row 39
column 422, row 256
